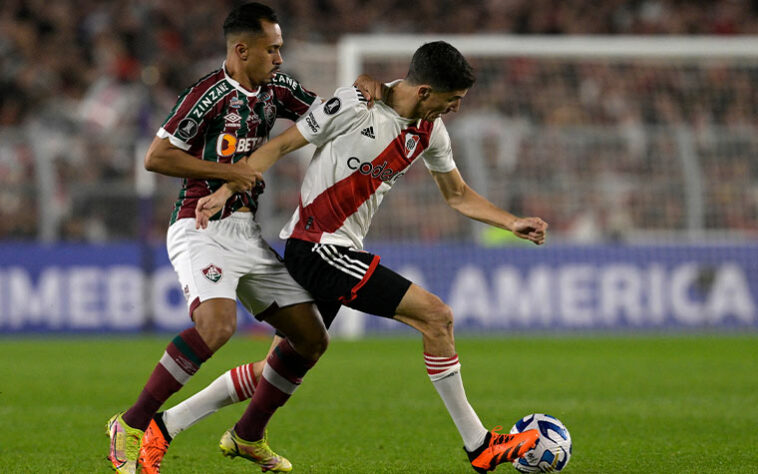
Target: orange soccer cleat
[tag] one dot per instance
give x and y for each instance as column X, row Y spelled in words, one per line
column 499, row 448
column 154, row 446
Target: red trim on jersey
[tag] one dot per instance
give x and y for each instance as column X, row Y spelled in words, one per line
column 354, row 292
column 329, row 211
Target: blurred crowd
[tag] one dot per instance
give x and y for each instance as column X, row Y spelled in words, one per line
column 596, row 147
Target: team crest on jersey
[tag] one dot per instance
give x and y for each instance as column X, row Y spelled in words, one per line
column 235, row 103
column 269, row 113
column 332, row 106
column 213, row 273
column 252, row 122
column 411, row 142
column 232, row 120
column 187, row 129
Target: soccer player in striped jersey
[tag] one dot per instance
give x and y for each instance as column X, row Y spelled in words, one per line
column 360, row 155
column 215, row 123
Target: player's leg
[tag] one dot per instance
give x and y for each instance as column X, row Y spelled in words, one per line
column 434, row 319
column 233, row 386
column 209, row 278
column 215, row 322
column 285, row 368
column 270, row 293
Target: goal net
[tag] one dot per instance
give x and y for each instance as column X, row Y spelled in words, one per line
column 639, row 152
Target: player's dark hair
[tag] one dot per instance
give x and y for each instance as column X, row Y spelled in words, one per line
column 247, row 19
column 441, row 66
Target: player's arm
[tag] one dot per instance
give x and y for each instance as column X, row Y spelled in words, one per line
column 258, row 162
column 165, row 158
column 468, row 202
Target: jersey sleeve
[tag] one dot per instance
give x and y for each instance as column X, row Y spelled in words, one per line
column 333, row 117
column 184, row 126
column 292, row 99
column 439, row 156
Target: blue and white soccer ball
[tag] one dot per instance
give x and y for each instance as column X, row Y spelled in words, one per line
column 553, row 449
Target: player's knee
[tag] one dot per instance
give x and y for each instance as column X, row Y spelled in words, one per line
column 440, row 320
column 216, row 332
column 313, row 345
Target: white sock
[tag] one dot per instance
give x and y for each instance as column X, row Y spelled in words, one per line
column 233, row 386
column 445, row 374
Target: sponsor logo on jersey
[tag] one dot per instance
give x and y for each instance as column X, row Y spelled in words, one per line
column 310, row 120
column 285, row 80
column 368, row 132
column 187, row 129
column 235, row 103
column 382, row 172
column 186, row 291
column 209, row 99
column 232, row 120
column 227, row 144
column 213, row 273
column 332, row 106
column 411, row 142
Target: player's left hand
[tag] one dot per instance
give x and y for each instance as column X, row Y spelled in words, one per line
column 370, row 88
column 532, row 229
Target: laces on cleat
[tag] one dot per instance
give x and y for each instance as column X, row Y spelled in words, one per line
column 498, row 448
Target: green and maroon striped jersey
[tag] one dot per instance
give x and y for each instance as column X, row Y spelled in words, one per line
column 216, row 119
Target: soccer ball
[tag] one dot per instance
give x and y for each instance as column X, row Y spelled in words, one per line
column 553, row 449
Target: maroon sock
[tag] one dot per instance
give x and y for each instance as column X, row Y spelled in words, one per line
column 283, row 372
column 180, row 361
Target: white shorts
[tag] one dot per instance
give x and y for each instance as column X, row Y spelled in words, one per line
column 230, row 260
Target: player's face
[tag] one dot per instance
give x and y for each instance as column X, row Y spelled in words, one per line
column 436, row 104
column 264, row 55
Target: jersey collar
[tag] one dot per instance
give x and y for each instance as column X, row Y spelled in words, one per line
column 237, row 85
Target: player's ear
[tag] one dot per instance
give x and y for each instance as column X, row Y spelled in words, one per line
column 241, row 50
column 424, row 92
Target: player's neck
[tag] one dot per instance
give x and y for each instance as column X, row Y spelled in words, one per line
column 402, row 98
column 237, row 73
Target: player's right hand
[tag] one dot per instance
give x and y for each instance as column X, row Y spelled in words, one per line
column 242, row 177
column 208, row 206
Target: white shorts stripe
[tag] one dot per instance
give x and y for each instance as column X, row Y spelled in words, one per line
column 173, row 368
column 339, row 265
column 278, row 381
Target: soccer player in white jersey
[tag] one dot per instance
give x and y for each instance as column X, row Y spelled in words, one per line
column 215, row 123
column 361, row 153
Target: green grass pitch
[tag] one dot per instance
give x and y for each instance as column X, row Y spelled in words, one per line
column 640, row 403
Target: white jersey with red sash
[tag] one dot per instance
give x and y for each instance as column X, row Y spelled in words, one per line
column 360, row 154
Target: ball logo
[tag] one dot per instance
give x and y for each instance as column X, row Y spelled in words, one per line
column 226, row 145
column 187, row 129
column 332, row 106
